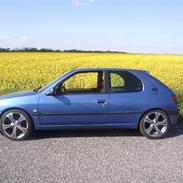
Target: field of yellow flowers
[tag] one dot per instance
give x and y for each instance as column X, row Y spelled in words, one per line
column 21, row 71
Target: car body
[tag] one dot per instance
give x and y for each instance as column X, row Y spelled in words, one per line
column 120, row 99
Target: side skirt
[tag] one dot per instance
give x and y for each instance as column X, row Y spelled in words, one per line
column 96, row 126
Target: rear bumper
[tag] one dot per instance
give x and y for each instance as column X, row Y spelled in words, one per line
column 173, row 114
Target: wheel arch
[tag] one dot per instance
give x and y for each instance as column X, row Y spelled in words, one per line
column 21, row 109
column 152, row 110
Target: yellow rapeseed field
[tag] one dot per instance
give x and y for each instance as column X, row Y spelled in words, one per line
column 20, row 71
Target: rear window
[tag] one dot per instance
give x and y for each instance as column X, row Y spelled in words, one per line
column 124, row 82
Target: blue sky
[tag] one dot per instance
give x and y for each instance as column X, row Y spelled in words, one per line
column 145, row 26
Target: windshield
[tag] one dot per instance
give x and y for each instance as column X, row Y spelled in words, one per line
column 40, row 89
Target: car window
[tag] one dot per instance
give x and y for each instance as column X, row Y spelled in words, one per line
column 81, row 81
column 86, row 82
column 124, row 82
column 116, row 80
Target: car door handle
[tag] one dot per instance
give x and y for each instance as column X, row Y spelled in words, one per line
column 101, row 101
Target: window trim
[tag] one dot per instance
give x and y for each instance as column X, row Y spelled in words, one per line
column 89, row 93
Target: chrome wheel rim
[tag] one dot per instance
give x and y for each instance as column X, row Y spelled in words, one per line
column 15, row 125
column 155, row 124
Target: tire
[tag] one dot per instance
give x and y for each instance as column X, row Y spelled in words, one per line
column 154, row 124
column 16, row 125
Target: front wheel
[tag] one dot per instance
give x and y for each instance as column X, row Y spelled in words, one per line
column 154, row 124
column 15, row 124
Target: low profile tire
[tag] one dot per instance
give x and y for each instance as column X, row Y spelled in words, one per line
column 154, row 124
column 16, row 125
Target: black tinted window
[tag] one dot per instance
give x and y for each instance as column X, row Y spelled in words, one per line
column 124, row 82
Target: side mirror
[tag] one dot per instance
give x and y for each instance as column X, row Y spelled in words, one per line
column 50, row 92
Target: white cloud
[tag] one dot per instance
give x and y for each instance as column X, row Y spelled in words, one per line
column 14, row 41
column 5, row 37
column 82, row 2
column 24, row 38
column 170, row 45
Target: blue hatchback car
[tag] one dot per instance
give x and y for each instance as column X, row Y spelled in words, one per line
column 92, row 98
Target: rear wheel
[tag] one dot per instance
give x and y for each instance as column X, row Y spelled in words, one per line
column 154, row 124
column 16, row 124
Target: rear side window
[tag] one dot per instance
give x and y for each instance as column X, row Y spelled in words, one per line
column 116, row 80
column 124, row 82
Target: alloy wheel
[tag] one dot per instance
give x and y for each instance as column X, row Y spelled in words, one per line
column 15, row 125
column 155, row 124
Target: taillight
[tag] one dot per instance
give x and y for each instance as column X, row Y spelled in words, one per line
column 174, row 98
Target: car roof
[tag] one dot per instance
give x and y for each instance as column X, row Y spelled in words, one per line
column 105, row 69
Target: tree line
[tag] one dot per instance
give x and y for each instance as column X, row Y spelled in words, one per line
column 55, row 50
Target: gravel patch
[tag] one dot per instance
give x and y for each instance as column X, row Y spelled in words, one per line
column 92, row 156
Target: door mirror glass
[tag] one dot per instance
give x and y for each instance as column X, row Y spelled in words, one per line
column 50, row 92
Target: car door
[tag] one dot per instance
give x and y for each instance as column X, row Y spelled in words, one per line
column 74, row 103
column 125, row 98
